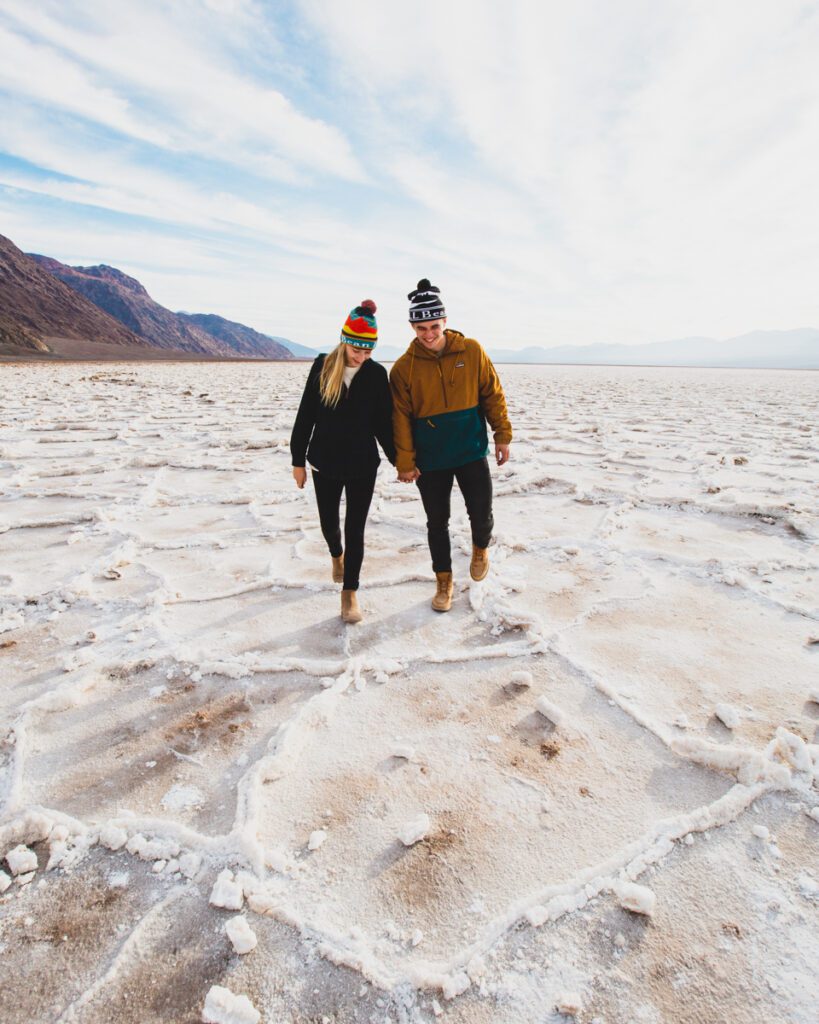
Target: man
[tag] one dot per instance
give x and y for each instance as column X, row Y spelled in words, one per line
column 444, row 390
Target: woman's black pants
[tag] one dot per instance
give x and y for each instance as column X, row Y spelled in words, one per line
column 475, row 482
column 359, row 493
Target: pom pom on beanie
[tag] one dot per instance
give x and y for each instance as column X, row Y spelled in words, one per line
column 360, row 328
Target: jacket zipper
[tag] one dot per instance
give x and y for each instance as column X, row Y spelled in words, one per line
column 443, row 386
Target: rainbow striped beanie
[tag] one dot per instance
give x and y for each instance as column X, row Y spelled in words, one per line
column 360, row 328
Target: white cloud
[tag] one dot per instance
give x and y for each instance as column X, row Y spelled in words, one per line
column 42, row 74
column 182, row 77
column 661, row 152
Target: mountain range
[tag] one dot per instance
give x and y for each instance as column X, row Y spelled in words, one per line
column 51, row 310
column 794, row 349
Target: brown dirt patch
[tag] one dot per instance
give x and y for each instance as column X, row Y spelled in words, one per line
column 549, row 749
column 425, row 877
column 216, row 718
column 346, row 797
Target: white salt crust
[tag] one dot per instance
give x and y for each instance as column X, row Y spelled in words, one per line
column 594, row 545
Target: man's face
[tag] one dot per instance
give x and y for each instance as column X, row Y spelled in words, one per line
column 430, row 333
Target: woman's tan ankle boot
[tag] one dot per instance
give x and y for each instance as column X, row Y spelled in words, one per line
column 442, row 601
column 479, row 566
column 338, row 568
column 350, row 612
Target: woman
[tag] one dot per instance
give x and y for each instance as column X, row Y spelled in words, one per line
column 346, row 405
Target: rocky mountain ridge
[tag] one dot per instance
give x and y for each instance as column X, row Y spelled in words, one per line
column 40, row 314
column 49, row 309
column 127, row 300
column 242, row 340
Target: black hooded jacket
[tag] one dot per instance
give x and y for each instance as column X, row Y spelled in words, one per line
column 340, row 442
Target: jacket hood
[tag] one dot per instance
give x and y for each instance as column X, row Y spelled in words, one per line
column 454, row 343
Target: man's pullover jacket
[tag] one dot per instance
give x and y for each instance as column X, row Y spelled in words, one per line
column 441, row 404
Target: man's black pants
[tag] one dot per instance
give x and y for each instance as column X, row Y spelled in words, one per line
column 359, row 493
column 475, row 482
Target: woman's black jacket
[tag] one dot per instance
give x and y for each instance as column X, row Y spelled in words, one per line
column 340, row 442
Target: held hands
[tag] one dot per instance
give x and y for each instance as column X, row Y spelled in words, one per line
column 300, row 476
column 501, row 457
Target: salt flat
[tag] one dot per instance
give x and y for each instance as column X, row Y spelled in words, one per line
column 631, row 696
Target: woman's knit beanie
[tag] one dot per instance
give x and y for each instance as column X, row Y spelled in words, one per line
column 426, row 303
column 360, row 328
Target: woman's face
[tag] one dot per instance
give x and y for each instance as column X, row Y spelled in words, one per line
column 354, row 356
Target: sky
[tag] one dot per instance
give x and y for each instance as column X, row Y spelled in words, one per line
column 566, row 173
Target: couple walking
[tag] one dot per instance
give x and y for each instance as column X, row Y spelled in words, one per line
column 430, row 420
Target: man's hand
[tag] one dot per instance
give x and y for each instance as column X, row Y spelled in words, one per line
column 501, row 453
column 409, row 477
column 300, row 476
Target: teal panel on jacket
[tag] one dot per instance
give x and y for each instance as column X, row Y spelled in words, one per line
column 450, row 439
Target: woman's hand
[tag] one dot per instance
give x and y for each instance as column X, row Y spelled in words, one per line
column 300, row 476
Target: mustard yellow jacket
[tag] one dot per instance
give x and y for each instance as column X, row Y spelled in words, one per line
column 441, row 405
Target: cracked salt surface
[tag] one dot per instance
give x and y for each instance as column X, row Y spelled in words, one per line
column 604, row 758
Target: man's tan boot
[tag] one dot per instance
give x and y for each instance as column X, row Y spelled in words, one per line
column 338, row 568
column 350, row 612
column 442, row 601
column 479, row 566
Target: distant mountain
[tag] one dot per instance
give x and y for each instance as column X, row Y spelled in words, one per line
column 124, row 298
column 242, row 340
column 796, row 349
column 389, row 353
column 41, row 314
column 299, row 351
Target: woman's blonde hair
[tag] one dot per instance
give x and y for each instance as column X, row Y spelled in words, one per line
column 331, row 381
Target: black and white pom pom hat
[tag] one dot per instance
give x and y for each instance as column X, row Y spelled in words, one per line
column 426, row 303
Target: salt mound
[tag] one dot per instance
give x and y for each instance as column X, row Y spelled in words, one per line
column 21, row 860
column 223, row 1007
column 569, row 1004
column 636, row 898
column 241, row 935
column 415, row 830
column 729, row 716
column 316, row 839
column 226, row 893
